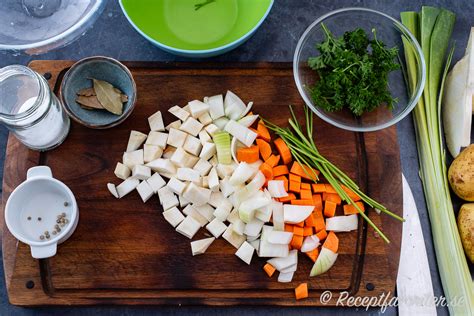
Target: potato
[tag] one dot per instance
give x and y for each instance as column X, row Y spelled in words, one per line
column 461, row 174
column 466, row 229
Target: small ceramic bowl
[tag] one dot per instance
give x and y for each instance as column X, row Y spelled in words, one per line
column 33, row 208
column 79, row 77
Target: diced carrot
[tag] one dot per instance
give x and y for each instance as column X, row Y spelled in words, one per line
column 329, row 208
column 262, row 132
column 283, row 150
column 333, row 198
column 305, row 186
column 296, row 241
column 313, row 254
column 267, row 171
column 273, row 160
column 329, row 188
column 301, row 291
column 302, row 202
column 290, row 197
column 304, row 171
column 300, row 224
column 269, row 269
column 288, row 228
column 319, row 223
column 309, row 221
column 284, row 179
column 317, row 202
column 294, row 186
column 280, row 170
column 298, row 231
column 305, row 194
column 294, row 177
column 308, row 230
column 322, row 234
column 354, row 197
column 350, row 209
column 265, row 149
column 319, row 187
column 248, row 154
column 331, row 242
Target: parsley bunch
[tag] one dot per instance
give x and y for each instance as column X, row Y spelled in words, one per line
column 353, row 72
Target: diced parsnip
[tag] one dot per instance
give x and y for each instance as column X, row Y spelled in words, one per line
column 203, row 167
column 234, row 107
column 213, row 180
column 211, row 129
column 310, row 243
column 217, row 199
column 122, row 171
column 135, row 140
column 188, row 227
column 141, row 172
column 268, row 249
column 161, row 165
column 188, row 174
column 253, row 228
column 233, row 216
column 277, row 188
column 216, row 227
column 232, row 238
column 206, row 211
column 156, row 122
column 241, row 174
column 255, row 244
column 112, row 189
column 285, row 277
column 240, row 194
column 198, row 108
column 167, row 198
column 245, row 252
column 198, row 247
column 222, row 212
column 279, row 237
column 342, row 223
column 182, row 159
column 226, row 188
column 196, row 195
column 176, row 138
column 239, row 227
column 204, row 137
column 257, row 182
column 285, row 262
column 192, row 145
column 145, row 191
column 133, row 158
column 294, row 214
column 204, row 182
column 190, row 210
column 175, row 124
column 127, row 186
column 157, row 138
column 216, row 106
column 182, row 201
column 278, row 216
column 151, row 152
column 179, row 112
column 214, row 161
column 226, row 170
column 173, row 216
column 208, row 150
column 191, row 126
column 205, row 119
column 176, row 186
column 156, row 182
column 241, row 132
column 168, row 152
column 265, row 213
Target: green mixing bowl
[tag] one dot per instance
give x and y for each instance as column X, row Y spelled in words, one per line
column 196, row 28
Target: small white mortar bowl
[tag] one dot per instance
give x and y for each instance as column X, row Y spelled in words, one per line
column 33, row 208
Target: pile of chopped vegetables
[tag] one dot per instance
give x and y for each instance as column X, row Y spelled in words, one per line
column 239, row 184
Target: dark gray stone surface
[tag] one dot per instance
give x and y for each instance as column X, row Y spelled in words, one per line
column 274, row 41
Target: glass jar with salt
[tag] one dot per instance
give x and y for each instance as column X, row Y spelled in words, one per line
column 30, row 110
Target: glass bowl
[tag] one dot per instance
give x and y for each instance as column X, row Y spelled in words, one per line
column 389, row 31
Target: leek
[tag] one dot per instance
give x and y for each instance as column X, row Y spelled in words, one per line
column 433, row 28
column 222, row 141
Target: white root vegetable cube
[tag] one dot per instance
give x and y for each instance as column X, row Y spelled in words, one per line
column 211, row 129
column 162, row 166
column 213, row 180
column 157, row 138
column 156, row 122
column 216, row 106
column 156, row 182
column 145, row 191
column 173, row 216
column 216, row 227
column 197, row 108
column 253, row 228
column 188, row 174
column 226, row 170
column 168, row 152
column 198, row 247
column 208, row 150
column 239, row 227
column 127, row 186
column 197, row 195
column 245, row 252
column 133, row 158
column 213, row 161
column 192, row 145
column 176, row 124
column 255, row 243
column 206, row 211
column 190, row 210
column 217, row 199
column 151, row 152
column 112, row 189
column 176, row 186
column 179, row 112
column 167, row 198
column 203, row 167
column 182, row 159
column 204, row 137
column 183, row 202
column 122, row 171
column 191, row 126
column 233, row 216
column 188, row 227
column 226, row 188
column 232, row 238
column 204, row 182
column 141, row 172
column 205, row 119
column 285, row 277
column 135, row 140
column 222, row 212
column 176, row 138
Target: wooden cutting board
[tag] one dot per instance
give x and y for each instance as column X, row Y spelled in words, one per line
column 123, row 251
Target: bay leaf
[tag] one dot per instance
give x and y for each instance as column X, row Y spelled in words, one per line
column 87, row 92
column 90, row 102
column 124, row 98
column 108, row 97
